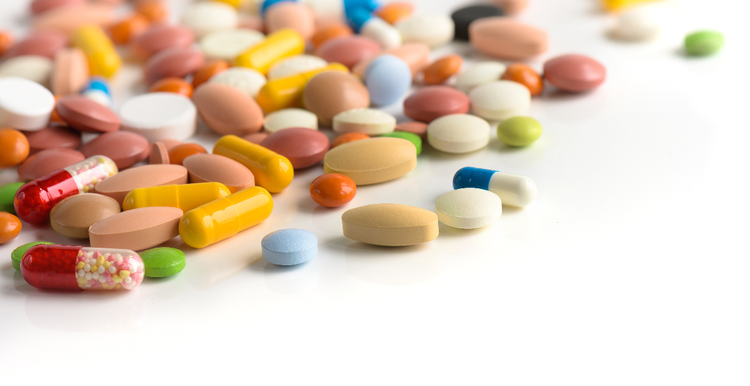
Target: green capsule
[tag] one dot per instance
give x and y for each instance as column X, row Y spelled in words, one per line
column 163, row 262
column 7, row 194
column 519, row 131
column 703, row 43
column 17, row 254
column 411, row 137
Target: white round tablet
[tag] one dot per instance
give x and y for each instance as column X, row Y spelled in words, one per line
column 364, row 120
column 479, row 74
column 209, row 16
column 431, row 29
column 468, row 208
column 500, row 100
column 24, row 105
column 286, row 118
column 159, row 115
column 244, row 79
column 458, row 133
column 229, row 44
column 32, row 67
column 295, row 65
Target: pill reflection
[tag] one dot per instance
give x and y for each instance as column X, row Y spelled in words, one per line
column 397, row 266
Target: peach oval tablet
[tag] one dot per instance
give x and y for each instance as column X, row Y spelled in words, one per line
column 70, row 73
column 87, row 115
column 174, row 62
column 39, row 43
column 136, row 229
column 296, row 16
column 432, row 102
column 123, row 147
column 348, row 50
column 52, row 137
column 159, row 154
column 507, row 38
column 391, row 225
column 68, row 19
column 227, row 110
column 48, row 161
column 373, row 160
column 40, row 6
column 73, row 216
column 333, row 92
column 141, row 177
column 217, row 168
column 303, row 147
column 160, row 37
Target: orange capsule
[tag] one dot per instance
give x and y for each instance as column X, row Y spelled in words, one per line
column 178, row 153
column 521, row 73
column 208, row 70
column 348, row 137
column 10, row 227
column 175, row 85
column 442, row 69
column 330, row 31
column 395, row 12
column 153, row 10
column 6, row 41
column 125, row 30
column 333, row 190
column 14, row 148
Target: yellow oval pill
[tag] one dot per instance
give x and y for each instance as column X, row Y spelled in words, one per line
column 100, row 52
column 271, row 170
column 278, row 45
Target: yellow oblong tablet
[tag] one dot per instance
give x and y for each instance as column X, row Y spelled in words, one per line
column 186, row 197
column 287, row 92
column 390, row 225
column 278, row 45
column 271, row 170
column 101, row 54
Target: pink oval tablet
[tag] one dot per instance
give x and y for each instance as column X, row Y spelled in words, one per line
column 175, row 62
column 348, row 50
column 415, row 55
column 40, row 43
column 217, row 168
column 296, row 16
column 53, row 137
column 123, row 147
column 418, row 128
column 136, row 229
column 160, row 37
column 255, row 138
column 48, row 161
column 141, row 177
column 41, row 6
column 158, row 154
column 507, row 38
column 432, row 102
column 87, row 115
column 227, row 110
column 574, row 73
column 69, row 19
column 302, row 146
column 70, row 73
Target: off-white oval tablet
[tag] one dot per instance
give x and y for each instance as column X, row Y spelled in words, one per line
column 458, row 133
column 500, row 100
column 295, row 65
column 136, row 229
column 32, row 67
column 206, row 17
column 372, row 160
column 73, row 216
column 468, row 208
column 24, row 105
column 141, row 177
column 366, row 121
column 390, row 225
column 229, row 44
column 159, row 115
column 432, row 29
column 292, row 117
column 640, row 23
column 479, row 74
column 244, row 79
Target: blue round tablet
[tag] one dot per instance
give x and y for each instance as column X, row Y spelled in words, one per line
column 289, row 246
column 388, row 79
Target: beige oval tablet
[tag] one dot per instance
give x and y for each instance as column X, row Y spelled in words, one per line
column 217, row 168
column 366, row 121
column 136, row 229
column 373, row 160
column 391, row 225
column 73, row 216
column 141, row 177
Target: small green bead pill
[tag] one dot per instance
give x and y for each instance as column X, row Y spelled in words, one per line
column 519, row 131
column 17, row 254
column 703, row 43
column 411, row 137
column 163, row 262
column 7, row 194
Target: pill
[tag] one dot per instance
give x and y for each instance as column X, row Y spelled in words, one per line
column 390, row 225
column 348, row 50
column 208, row 71
column 333, row 190
column 396, row 11
column 163, row 262
column 172, row 85
column 303, row 147
column 329, row 32
column 41, row 6
column 512, row 7
column 7, row 194
column 73, row 216
column 525, row 75
column 99, row 50
column 159, row 115
column 98, row 83
column 367, row 121
column 48, row 161
column 37, row 69
column 463, row 17
column 24, row 105
column 136, row 229
column 206, row 17
column 70, row 267
column 380, row 31
column 519, row 131
column 513, row 190
column 227, row 110
column 228, row 44
column 14, row 147
column 388, row 79
column 418, row 128
column 298, row 17
column 639, row 23
column 153, row 10
column 158, row 154
column 413, row 138
column 70, row 72
column 415, row 55
column 703, row 43
column 17, row 254
column 289, row 246
column 247, row 80
column 216, row 168
column 174, row 62
column 124, row 148
column 39, row 43
column 68, row 19
column 185, row 197
column 6, row 41
column 126, row 29
column 99, row 97
column 574, row 73
column 371, row 161
column 10, row 227
column 468, row 208
column 295, row 65
column 616, row 5
column 348, row 137
column 256, row 138
column 86, row 115
column 286, row 92
column 278, row 45
column 224, row 218
column 160, row 37
column 326, row 11
column 500, row 100
column 507, row 38
column 178, row 153
column 458, row 133
column 35, row 200
column 286, row 118
column 332, row 92
column 170, row 143
column 431, row 29
column 121, row 184
column 432, row 102
column 272, row 171
column 442, row 69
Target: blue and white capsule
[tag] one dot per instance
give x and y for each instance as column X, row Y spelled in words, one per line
column 512, row 189
column 98, row 89
column 365, row 23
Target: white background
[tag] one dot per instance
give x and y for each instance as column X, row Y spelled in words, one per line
column 631, row 268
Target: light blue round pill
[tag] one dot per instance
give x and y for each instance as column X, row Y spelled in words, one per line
column 289, row 246
column 388, row 78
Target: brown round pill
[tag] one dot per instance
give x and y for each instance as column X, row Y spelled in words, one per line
column 160, row 37
column 136, row 229
column 70, row 73
column 158, row 154
column 296, row 16
column 48, row 161
column 348, row 50
column 432, row 102
column 574, row 73
column 418, row 128
column 227, row 110
column 87, row 115
column 333, row 92
column 217, row 168
column 141, row 177
column 39, row 43
column 507, row 38
column 302, row 146
column 123, row 147
column 174, row 62
column 73, row 216
column 52, row 137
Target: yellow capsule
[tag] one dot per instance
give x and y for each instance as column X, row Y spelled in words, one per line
column 100, row 52
column 271, row 170
column 233, row 3
column 278, row 45
column 287, row 92
column 618, row 5
column 226, row 217
column 186, row 197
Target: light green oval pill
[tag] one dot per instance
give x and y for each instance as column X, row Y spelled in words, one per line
column 7, row 194
column 163, row 262
column 519, row 131
column 17, row 254
column 411, row 137
column 703, row 43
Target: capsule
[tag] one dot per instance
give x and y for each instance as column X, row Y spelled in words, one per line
column 100, row 52
column 70, row 267
column 365, row 23
column 278, row 45
column 513, row 190
column 287, row 92
column 224, row 218
column 186, row 197
column 271, row 170
column 35, row 200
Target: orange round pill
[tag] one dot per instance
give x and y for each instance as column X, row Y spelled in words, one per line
column 208, row 70
column 175, row 85
column 6, row 41
column 153, row 10
column 333, row 190
column 54, row 118
column 521, row 73
column 394, row 12
column 348, row 137
column 125, row 30
column 330, row 31
column 178, row 153
column 10, row 227
column 442, row 69
column 14, row 148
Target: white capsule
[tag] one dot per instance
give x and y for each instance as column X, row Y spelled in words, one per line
column 640, row 23
column 379, row 30
column 512, row 189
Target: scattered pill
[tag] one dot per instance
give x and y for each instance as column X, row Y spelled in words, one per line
column 14, row 148
column 519, row 131
column 458, row 133
column 179, row 153
column 513, row 7
column 286, row 118
column 432, row 102
column 48, row 161
column 371, row 161
column 124, row 148
column 17, row 254
column 70, row 73
column 158, row 154
column 256, row 138
column 206, row 17
column 40, row 6
column 160, row 37
column 366, row 121
column 468, row 208
column 442, row 69
column 348, row 50
column 286, row 92
column 272, row 171
column 278, row 45
column 102, row 57
column 303, row 147
column 7, row 194
column 209, row 70
column 512, row 189
column 228, row 44
column 37, row 69
column 390, row 225
column 163, row 262
column 431, row 29
column 153, row 10
column 227, row 110
column 159, row 115
column 703, row 43
column 6, row 41
column 463, row 17
column 24, row 105
column 330, row 32
column 415, row 55
column 639, row 23
column 333, row 92
column 68, row 19
column 119, row 185
column 125, row 30
column 294, row 65
column 507, row 38
column 186, row 197
column 395, row 12
column 172, row 85
column 377, row 29
column 333, row 190
column 39, row 43
column 296, row 16
column 348, row 137
column 418, row 128
column 388, row 79
column 86, row 115
column 525, row 75
column 413, row 138
column 247, row 80
column 10, row 227
column 136, row 229
column 289, row 247
column 173, row 62
column 574, row 73
column 500, row 100
column 73, row 216
column 216, row 168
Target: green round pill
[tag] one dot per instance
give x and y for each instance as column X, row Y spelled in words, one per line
column 411, row 137
column 519, row 131
column 17, row 254
column 7, row 195
column 703, row 43
column 163, row 262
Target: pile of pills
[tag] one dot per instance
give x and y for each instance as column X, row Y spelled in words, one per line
column 270, row 78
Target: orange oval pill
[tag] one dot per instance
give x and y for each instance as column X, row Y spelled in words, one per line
column 125, row 30
column 330, row 31
column 10, row 227
column 14, row 147
column 442, row 69
column 153, row 10
column 348, row 137
column 521, row 73
column 175, row 85
column 208, row 70
column 394, row 12
column 180, row 152
column 6, row 41
column 333, row 190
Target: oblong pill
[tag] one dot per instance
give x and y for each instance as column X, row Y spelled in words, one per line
column 513, row 189
column 278, row 45
column 303, row 147
column 431, row 29
column 272, row 171
column 227, row 110
column 507, row 38
column 289, row 246
column 99, row 50
column 479, row 74
column 217, row 168
column 185, row 197
column 373, row 160
column 136, row 229
column 366, row 121
column 432, row 102
column 86, row 115
column 468, row 208
column 391, row 225
column 73, row 216
column 142, row 177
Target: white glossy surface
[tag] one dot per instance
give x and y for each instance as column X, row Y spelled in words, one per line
column 630, row 268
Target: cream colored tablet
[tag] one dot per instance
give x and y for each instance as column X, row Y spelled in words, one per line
column 373, row 160
column 295, row 65
column 286, row 118
column 391, row 225
column 458, row 133
column 468, row 208
column 229, row 44
column 500, row 100
column 206, row 17
column 244, row 79
column 366, row 121
column 32, row 67
column 159, row 115
column 479, row 74
column 432, row 29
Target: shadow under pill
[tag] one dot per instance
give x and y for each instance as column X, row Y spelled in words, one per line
column 393, row 266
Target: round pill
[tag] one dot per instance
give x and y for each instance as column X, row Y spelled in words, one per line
column 48, row 161
column 286, row 118
column 442, row 69
column 458, row 133
column 124, row 148
column 159, row 154
column 206, row 17
column 303, row 147
column 243, row 79
column 7, row 195
column 348, row 50
column 208, row 71
column 333, row 190
column 500, row 100
column 289, row 246
column 227, row 110
column 388, row 79
column 464, row 16
column 574, row 73
column 37, row 69
column 295, row 65
column 519, row 131
column 296, row 16
column 511, row 7
column 348, row 137
column 160, row 37
column 176, row 62
column 413, row 138
column 329, row 32
column 86, row 115
column 431, row 29
column 228, row 44
column 163, row 262
column 703, row 43
column 70, row 73
column 99, row 97
column 14, row 147
column 178, row 153
column 525, row 75
column 41, row 6
column 468, row 208
column 159, row 115
column 73, row 216
column 6, row 41
column 216, row 168
column 507, row 38
column 69, row 19
column 432, row 102
column 17, row 254
column 53, row 137
column 173, row 85
column 10, row 227
column 639, row 23
column 479, row 74
column 366, row 121
column 24, row 105
column 332, row 92
column 418, row 128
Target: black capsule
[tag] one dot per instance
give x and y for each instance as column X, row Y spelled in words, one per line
column 464, row 16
